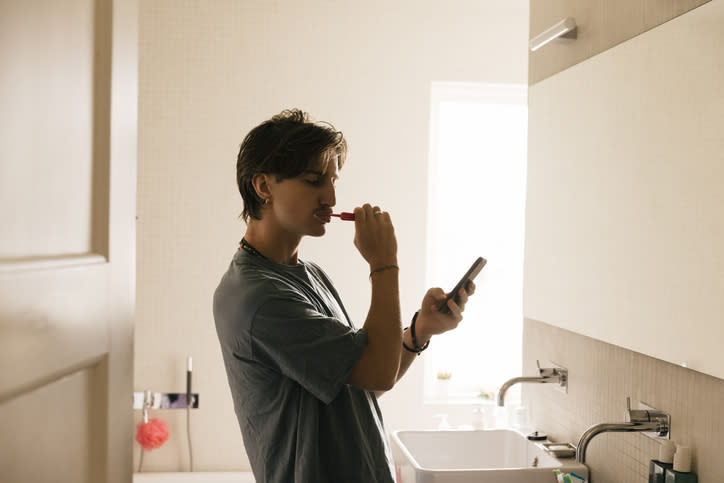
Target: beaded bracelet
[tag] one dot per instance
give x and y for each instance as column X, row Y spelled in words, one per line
column 382, row 269
column 417, row 350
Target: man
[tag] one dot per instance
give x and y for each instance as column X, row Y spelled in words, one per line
column 304, row 380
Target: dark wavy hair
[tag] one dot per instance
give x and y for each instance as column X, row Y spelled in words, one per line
column 285, row 146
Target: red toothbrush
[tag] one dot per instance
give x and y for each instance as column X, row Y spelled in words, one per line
column 344, row 216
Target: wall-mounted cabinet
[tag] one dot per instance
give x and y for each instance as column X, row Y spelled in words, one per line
column 625, row 205
column 601, row 25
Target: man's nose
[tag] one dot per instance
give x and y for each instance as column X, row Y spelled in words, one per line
column 330, row 196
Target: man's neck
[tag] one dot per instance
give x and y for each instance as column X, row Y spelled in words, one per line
column 272, row 243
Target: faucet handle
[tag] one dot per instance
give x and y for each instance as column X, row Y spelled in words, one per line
column 647, row 415
column 545, row 371
column 635, row 415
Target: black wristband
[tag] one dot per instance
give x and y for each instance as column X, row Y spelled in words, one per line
column 417, row 349
column 409, row 348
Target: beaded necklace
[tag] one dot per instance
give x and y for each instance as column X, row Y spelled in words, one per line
column 249, row 248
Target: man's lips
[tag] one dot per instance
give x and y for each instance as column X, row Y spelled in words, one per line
column 324, row 215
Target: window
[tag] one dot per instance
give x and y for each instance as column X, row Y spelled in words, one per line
column 476, row 192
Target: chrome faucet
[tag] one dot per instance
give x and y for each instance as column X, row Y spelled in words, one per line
column 546, row 375
column 651, row 422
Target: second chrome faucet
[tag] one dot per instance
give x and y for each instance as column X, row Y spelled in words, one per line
column 653, row 423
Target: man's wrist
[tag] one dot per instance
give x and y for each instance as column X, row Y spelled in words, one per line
column 407, row 338
column 384, row 268
column 381, row 262
column 416, row 344
column 423, row 336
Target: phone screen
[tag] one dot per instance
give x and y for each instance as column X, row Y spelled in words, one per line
column 469, row 275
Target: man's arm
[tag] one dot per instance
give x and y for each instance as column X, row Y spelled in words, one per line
column 407, row 357
column 378, row 367
column 379, row 364
column 430, row 322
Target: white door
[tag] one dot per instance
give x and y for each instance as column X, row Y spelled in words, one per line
column 68, row 94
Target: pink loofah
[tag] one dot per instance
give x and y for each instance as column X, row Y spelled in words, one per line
column 151, row 435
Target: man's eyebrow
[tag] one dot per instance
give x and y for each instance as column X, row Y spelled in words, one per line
column 317, row 173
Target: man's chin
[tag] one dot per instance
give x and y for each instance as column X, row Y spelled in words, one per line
column 318, row 231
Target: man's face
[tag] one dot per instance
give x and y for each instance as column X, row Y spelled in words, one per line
column 302, row 205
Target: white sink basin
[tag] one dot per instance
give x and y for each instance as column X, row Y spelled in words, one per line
column 495, row 455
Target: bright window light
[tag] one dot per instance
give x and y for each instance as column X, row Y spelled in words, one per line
column 477, row 172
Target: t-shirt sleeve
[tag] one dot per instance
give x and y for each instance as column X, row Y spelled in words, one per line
column 317, row 351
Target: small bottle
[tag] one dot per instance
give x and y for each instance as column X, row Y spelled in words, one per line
column 657, row 468
column 478, row 417
column 520, row 419
column 681, row 472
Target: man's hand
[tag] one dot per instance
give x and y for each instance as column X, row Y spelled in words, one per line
column 432, row 322
column 375, row 236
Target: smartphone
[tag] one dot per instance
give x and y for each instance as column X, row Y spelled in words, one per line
column 469, row 276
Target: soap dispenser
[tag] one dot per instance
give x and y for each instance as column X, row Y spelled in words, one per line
column 657, row 468
column 444, row 425
column 681, row 472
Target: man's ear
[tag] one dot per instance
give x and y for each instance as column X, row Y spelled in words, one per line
column 261, row 184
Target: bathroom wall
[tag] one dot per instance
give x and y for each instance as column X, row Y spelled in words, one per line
column 624, row 173
column 601, row 376
column 624, row 201
column 210, row 71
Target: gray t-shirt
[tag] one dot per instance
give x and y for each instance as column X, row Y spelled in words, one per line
column 289, row 347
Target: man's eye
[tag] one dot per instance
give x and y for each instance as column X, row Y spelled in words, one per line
column 315, row 182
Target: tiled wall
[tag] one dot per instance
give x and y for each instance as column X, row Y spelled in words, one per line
column 601, row 376
column 209, row 72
